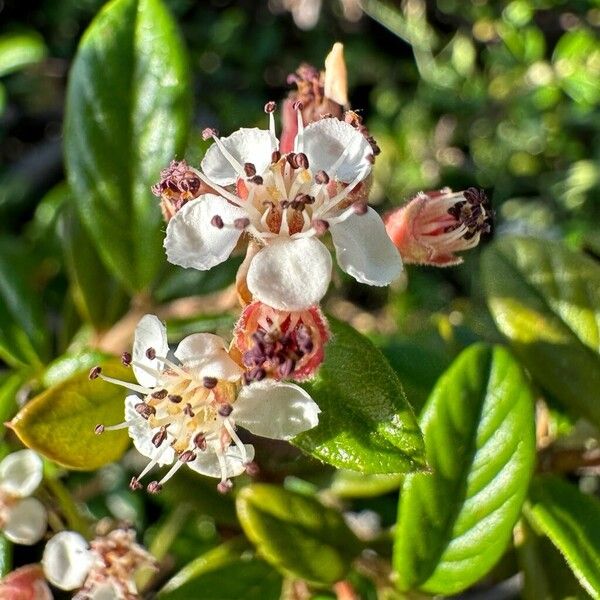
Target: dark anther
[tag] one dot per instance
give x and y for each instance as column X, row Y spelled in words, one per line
column 95, row 372
column 360, row 208
column 321, row 177
column 187, row 410
column 252, row 469
column 255, row 374
column 291, row 158
column 175, row 398
column 99, row 429
column 145, row 410
column 159, row 394
column 276, row 156
column 187, row 456
column 159, row 437
column 126, row 358
column 270, row 107
column 209, row 382
column 475, row 196
column 151, row 354
column 302, row 160
column 249, row 169
column 257, row 179
column 371, row 158
column 241, row 223
column 209, row 132
column 217, row 222
column 134, row 484
column 320, row 226
column 287, row 368
column 225, row 410
column 298, row 105
column 200, row 441
column 224, row 487
column 154, row 487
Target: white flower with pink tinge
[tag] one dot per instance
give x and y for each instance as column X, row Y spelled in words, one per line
column 286, row 203
column 192, row 403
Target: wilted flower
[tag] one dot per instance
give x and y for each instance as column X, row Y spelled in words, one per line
column 22, row 519
column 192, row 404
column 25, row 583
column 104, row 569
column 285, row 203
column 281, row 344
column 434, row 225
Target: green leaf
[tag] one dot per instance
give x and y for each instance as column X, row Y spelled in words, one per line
column 572, row 522
column 18, row 50
column 69, row 364
column 5, row 556
column 59, row 423
column 127, row 116
column 229, row 572
column 455, row 523
column 9, row 388
column 366, row 423
column 296, row 533
column 351, row 484
column 546, row 300
column 23, row 333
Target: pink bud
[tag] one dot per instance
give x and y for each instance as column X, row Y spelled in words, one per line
column 25, row 583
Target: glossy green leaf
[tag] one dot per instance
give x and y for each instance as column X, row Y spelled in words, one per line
column 351, row 484
column 5, row 556
column 229, row 572
column 59, row 423
column 127, row 116
column 546, row 300
column 68, row 365
column 9, row 388
column 296, row 533
column 366, row 423
column 572, row 522
column 455, row 523
column 23, row 331
column 18, row 50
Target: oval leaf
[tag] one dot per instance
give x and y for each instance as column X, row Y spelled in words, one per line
column 296, row 533
column 456, row 522
column 572, row 522
column 366, row 424
column 60, row 422
column 546, row 300
column 127, row 115
column 228, row 572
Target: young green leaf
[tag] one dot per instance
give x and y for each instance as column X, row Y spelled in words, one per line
column 366, row 424
column 296, row 533
column 60, row 422
column 455, row 523
column 19, row 50
column 127, row 116
column 228, row 572
column 546, row 300
column 572, row 522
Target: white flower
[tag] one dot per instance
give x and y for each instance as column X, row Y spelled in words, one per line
column 22, row 519
column 104, row 569
column 192, row 404
column 286, row 203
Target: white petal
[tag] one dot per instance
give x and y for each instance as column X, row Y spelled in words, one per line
column 67, row 560
column 206, row 462
column 105, row 591
column 199, row 346
column 326, row 140
column 20, row 473
column 149, row 333
column 141, row 433
column 192, row 241
column 275, row 410
column 26, row 522
column 291, row 274
column 246, row 146
column 206, row 354
column 365, row 251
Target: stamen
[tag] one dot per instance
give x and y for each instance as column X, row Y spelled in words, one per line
column 360, row 208
column 236, row 440
column 209, row 382
column 237, row 167
column 321, row 226
column 154, row 487
column 159, row 437
column 130, row 386
column 225, row 409
column 241, row 223
column 225, row 483
column 160, row 394
column 249, row 169
column 270, row 109
column 200, row 441
column 175, row 398
column 224, row 487
column 150, row 353
column 299, row 141
column 145, row 410
column 123, row 425
column 257, row 180
column 99, row 429
column 217, row 222
column 95, row 372
column 321, row 177
column 126, row 359
column 275, row 156
column 134, row 484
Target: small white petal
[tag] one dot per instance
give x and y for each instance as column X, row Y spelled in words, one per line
column 21, row 473
column 326, row 140
column 141, row 433
column 67, row 560
column 26, row 522
column 275, row 410
column 193, row 242
column 290, row 274
column 199, row 346
column 206, row 354
column 206, row 462
column 105, row 591
column 365, row 251
column 246, row 146
column 149, row 333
